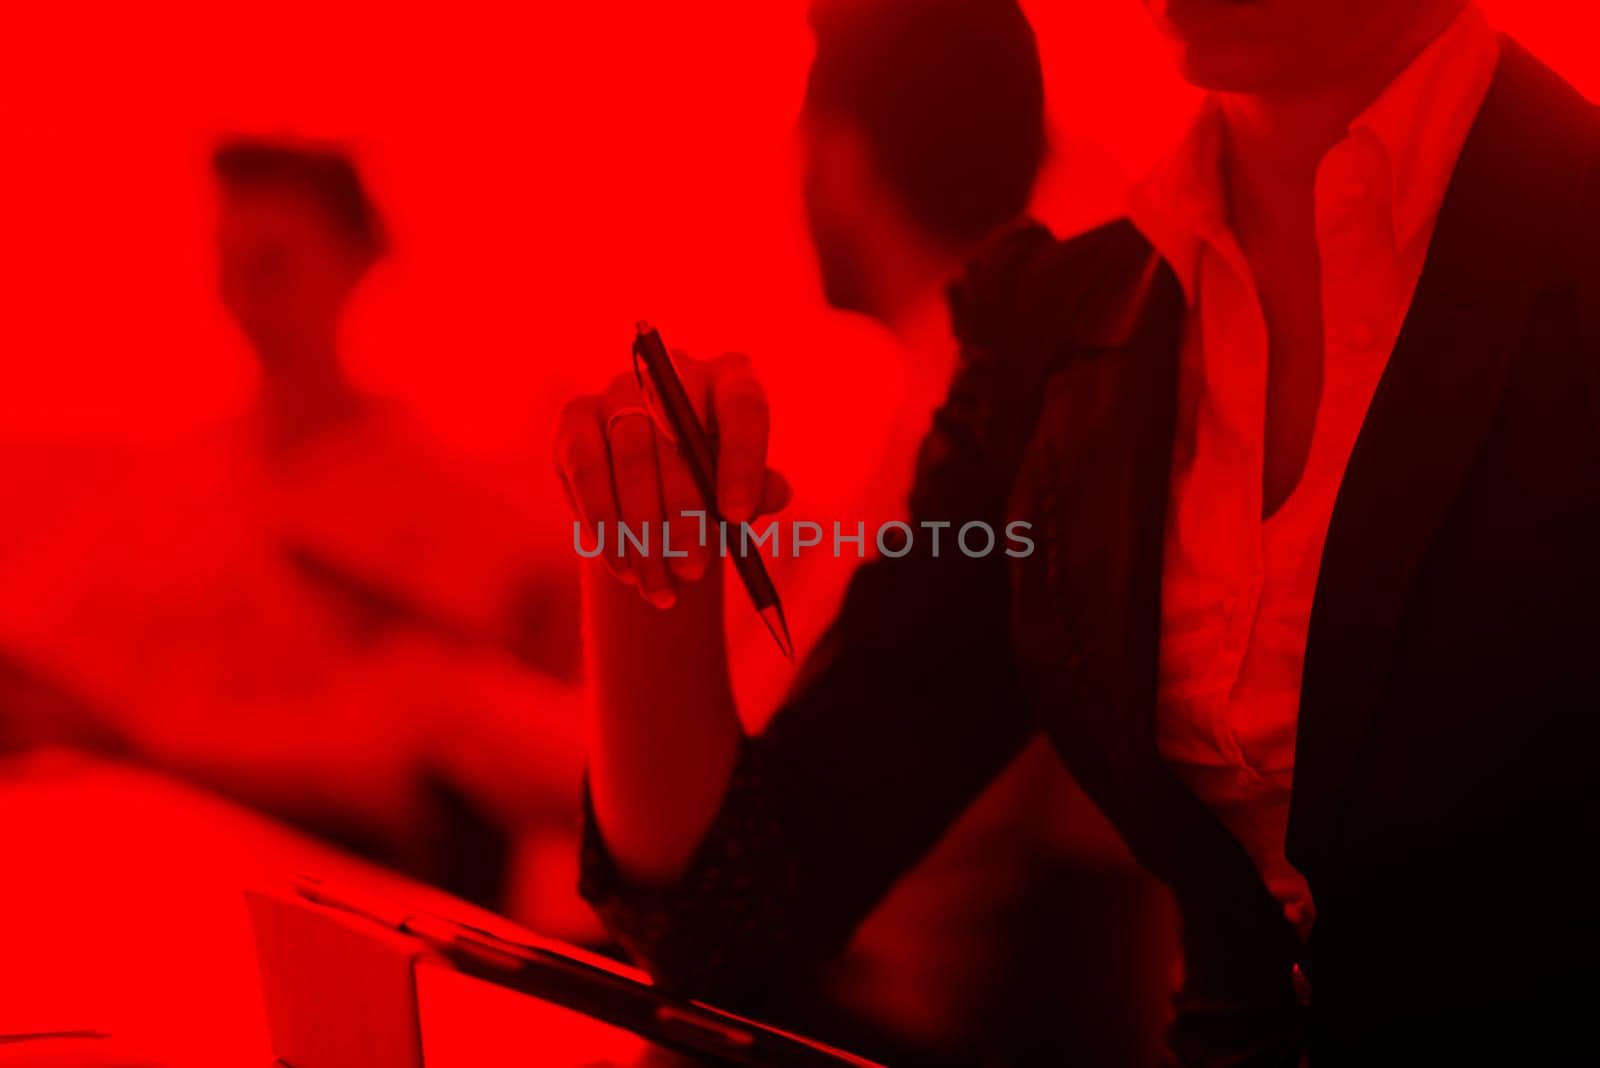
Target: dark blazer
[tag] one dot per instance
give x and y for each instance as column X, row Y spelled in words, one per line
column 1444, row 809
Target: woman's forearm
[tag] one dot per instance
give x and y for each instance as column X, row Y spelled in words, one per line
column 664, row 732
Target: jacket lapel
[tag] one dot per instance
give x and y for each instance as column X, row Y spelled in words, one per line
column 1427, row 420
column 1086, row 602
column 1087, row 618
column 1086, row 605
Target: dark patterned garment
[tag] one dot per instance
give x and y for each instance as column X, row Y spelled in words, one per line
column 739, row 892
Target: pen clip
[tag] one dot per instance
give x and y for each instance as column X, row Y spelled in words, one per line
column 647, row 386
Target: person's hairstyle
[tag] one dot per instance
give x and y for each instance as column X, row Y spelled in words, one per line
column 325, row 176
column 949, row 95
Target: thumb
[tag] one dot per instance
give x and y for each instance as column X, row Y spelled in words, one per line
column 775, row 493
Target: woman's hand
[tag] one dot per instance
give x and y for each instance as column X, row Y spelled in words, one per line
column 619, row 469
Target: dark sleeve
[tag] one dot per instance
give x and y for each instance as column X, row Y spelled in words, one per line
column 909, row 706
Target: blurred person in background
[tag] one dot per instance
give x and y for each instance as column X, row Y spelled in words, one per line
column 921, row 137
column 317, row 609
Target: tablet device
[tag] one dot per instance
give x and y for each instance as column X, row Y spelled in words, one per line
column 606, row 1013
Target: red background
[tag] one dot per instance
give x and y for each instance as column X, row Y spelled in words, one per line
column 551, row 172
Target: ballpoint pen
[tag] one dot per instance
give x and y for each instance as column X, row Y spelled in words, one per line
column 670, row 405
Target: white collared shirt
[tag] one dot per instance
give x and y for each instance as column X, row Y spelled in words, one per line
column 1237, row 589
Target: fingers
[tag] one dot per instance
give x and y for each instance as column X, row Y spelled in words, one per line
column 742, row 423
column 635, row 479
column 583, row 462
column 628, row 484
column 689, row 529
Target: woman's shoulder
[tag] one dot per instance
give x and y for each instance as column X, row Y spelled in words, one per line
column 1027, row 282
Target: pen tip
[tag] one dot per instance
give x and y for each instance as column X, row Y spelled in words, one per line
column 642, row 327
column 772, row 616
